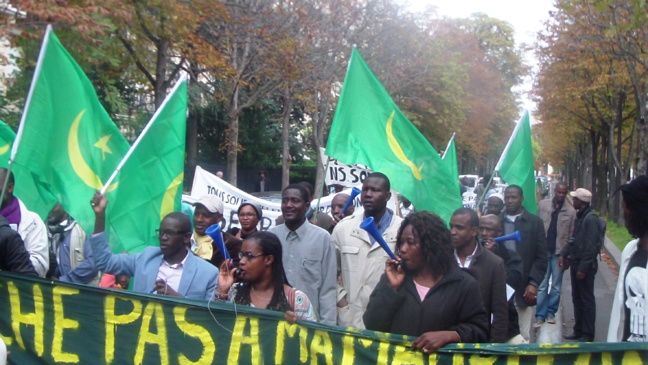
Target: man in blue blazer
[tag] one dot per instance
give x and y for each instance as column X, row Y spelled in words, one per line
column 170, row 269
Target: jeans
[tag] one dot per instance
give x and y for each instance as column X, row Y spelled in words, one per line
column 548, row 299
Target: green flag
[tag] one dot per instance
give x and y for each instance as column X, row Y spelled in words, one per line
column 450, row 160
column 66, row 145
column 7, row 136
column 150, row 182
column 369, row 129
column 515, row 165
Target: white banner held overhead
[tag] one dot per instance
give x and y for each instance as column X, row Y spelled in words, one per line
column 339, row 173
column 207, row 183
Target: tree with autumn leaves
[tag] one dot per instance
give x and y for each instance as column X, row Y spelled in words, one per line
column 591, row 94
column 448, row 75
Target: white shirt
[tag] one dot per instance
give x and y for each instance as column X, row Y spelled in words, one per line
column 171, row 274
column 469, row 258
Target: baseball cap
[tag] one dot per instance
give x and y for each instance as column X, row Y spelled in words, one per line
column 211, row 202
column 582, row 194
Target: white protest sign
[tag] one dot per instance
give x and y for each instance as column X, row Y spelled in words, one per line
column 207, row 183
column 339, row 173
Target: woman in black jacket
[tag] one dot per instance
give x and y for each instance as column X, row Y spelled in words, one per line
column 425, row 294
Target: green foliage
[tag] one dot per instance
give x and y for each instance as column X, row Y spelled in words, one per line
column 617, row 234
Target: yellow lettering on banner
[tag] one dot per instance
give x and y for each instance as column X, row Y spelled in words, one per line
column 403, row 355
column 606, row 358
column 433, row 359
column 61, row 323
column 545, row 359
column 366, row 342
column 583, row 359
column 321, row 344
column 457, row 359
column 155, row 311
column 383, row 350
column 113, row 319
column 36, row 319
column 199, row 332
column 284, row 328
column 631, row 357
column 239, row 339
column 512, row 360
column 348, row 351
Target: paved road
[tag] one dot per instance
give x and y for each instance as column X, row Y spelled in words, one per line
column 604, row 286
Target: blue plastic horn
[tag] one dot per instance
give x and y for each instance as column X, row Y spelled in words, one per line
column 369, row 226
column 354, row 193
column 214, row 231
column 515, row 236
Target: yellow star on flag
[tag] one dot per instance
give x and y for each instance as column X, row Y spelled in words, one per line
column 102, row 144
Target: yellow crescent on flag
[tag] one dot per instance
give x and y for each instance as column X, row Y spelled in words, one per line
column 398, row 151
column 79, row 165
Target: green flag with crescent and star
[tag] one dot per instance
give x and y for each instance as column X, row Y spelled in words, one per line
column 369, row 129
column 150, row 182
column 7, row 136
column 66, row 144
column 515, row 165
column 450, row 159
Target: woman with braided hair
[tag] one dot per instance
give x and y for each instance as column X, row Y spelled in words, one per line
column 262, row 280
column 425, row 293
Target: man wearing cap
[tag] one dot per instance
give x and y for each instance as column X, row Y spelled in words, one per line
column 207, row 212
column 558, row 218
column 494, row 204
column 580, row 255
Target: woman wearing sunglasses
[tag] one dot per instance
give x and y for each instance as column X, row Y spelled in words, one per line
column 262, row 280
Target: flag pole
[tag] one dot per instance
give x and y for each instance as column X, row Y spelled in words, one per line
column 142, row 134
column 23, row 117
column 448, row 146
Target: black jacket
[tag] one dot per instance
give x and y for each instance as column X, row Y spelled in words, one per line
column 489, row 271
column 583, row 246
column 13, row 255
column 451, row 305
column 533, row 251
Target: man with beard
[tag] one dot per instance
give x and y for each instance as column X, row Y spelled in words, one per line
column 169, row 269
column 362, row 259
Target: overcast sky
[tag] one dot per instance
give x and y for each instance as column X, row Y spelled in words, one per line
column 526, row 17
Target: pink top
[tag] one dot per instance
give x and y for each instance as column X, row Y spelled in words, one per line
column 422, row 290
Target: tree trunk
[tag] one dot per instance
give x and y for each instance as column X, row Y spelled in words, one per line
column 160, row 73
column 320, row 116
column 285, row 142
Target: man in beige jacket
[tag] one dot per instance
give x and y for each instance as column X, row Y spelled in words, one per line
column 362, row 259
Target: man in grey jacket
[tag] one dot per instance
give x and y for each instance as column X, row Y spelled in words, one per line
column 558, row 217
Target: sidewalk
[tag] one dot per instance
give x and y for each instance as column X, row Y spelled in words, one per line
column 604, row 286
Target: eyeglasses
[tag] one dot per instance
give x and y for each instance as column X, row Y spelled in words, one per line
column 248, row 256
column 168, row 232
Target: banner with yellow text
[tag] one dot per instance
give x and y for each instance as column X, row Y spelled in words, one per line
column 42, row 322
